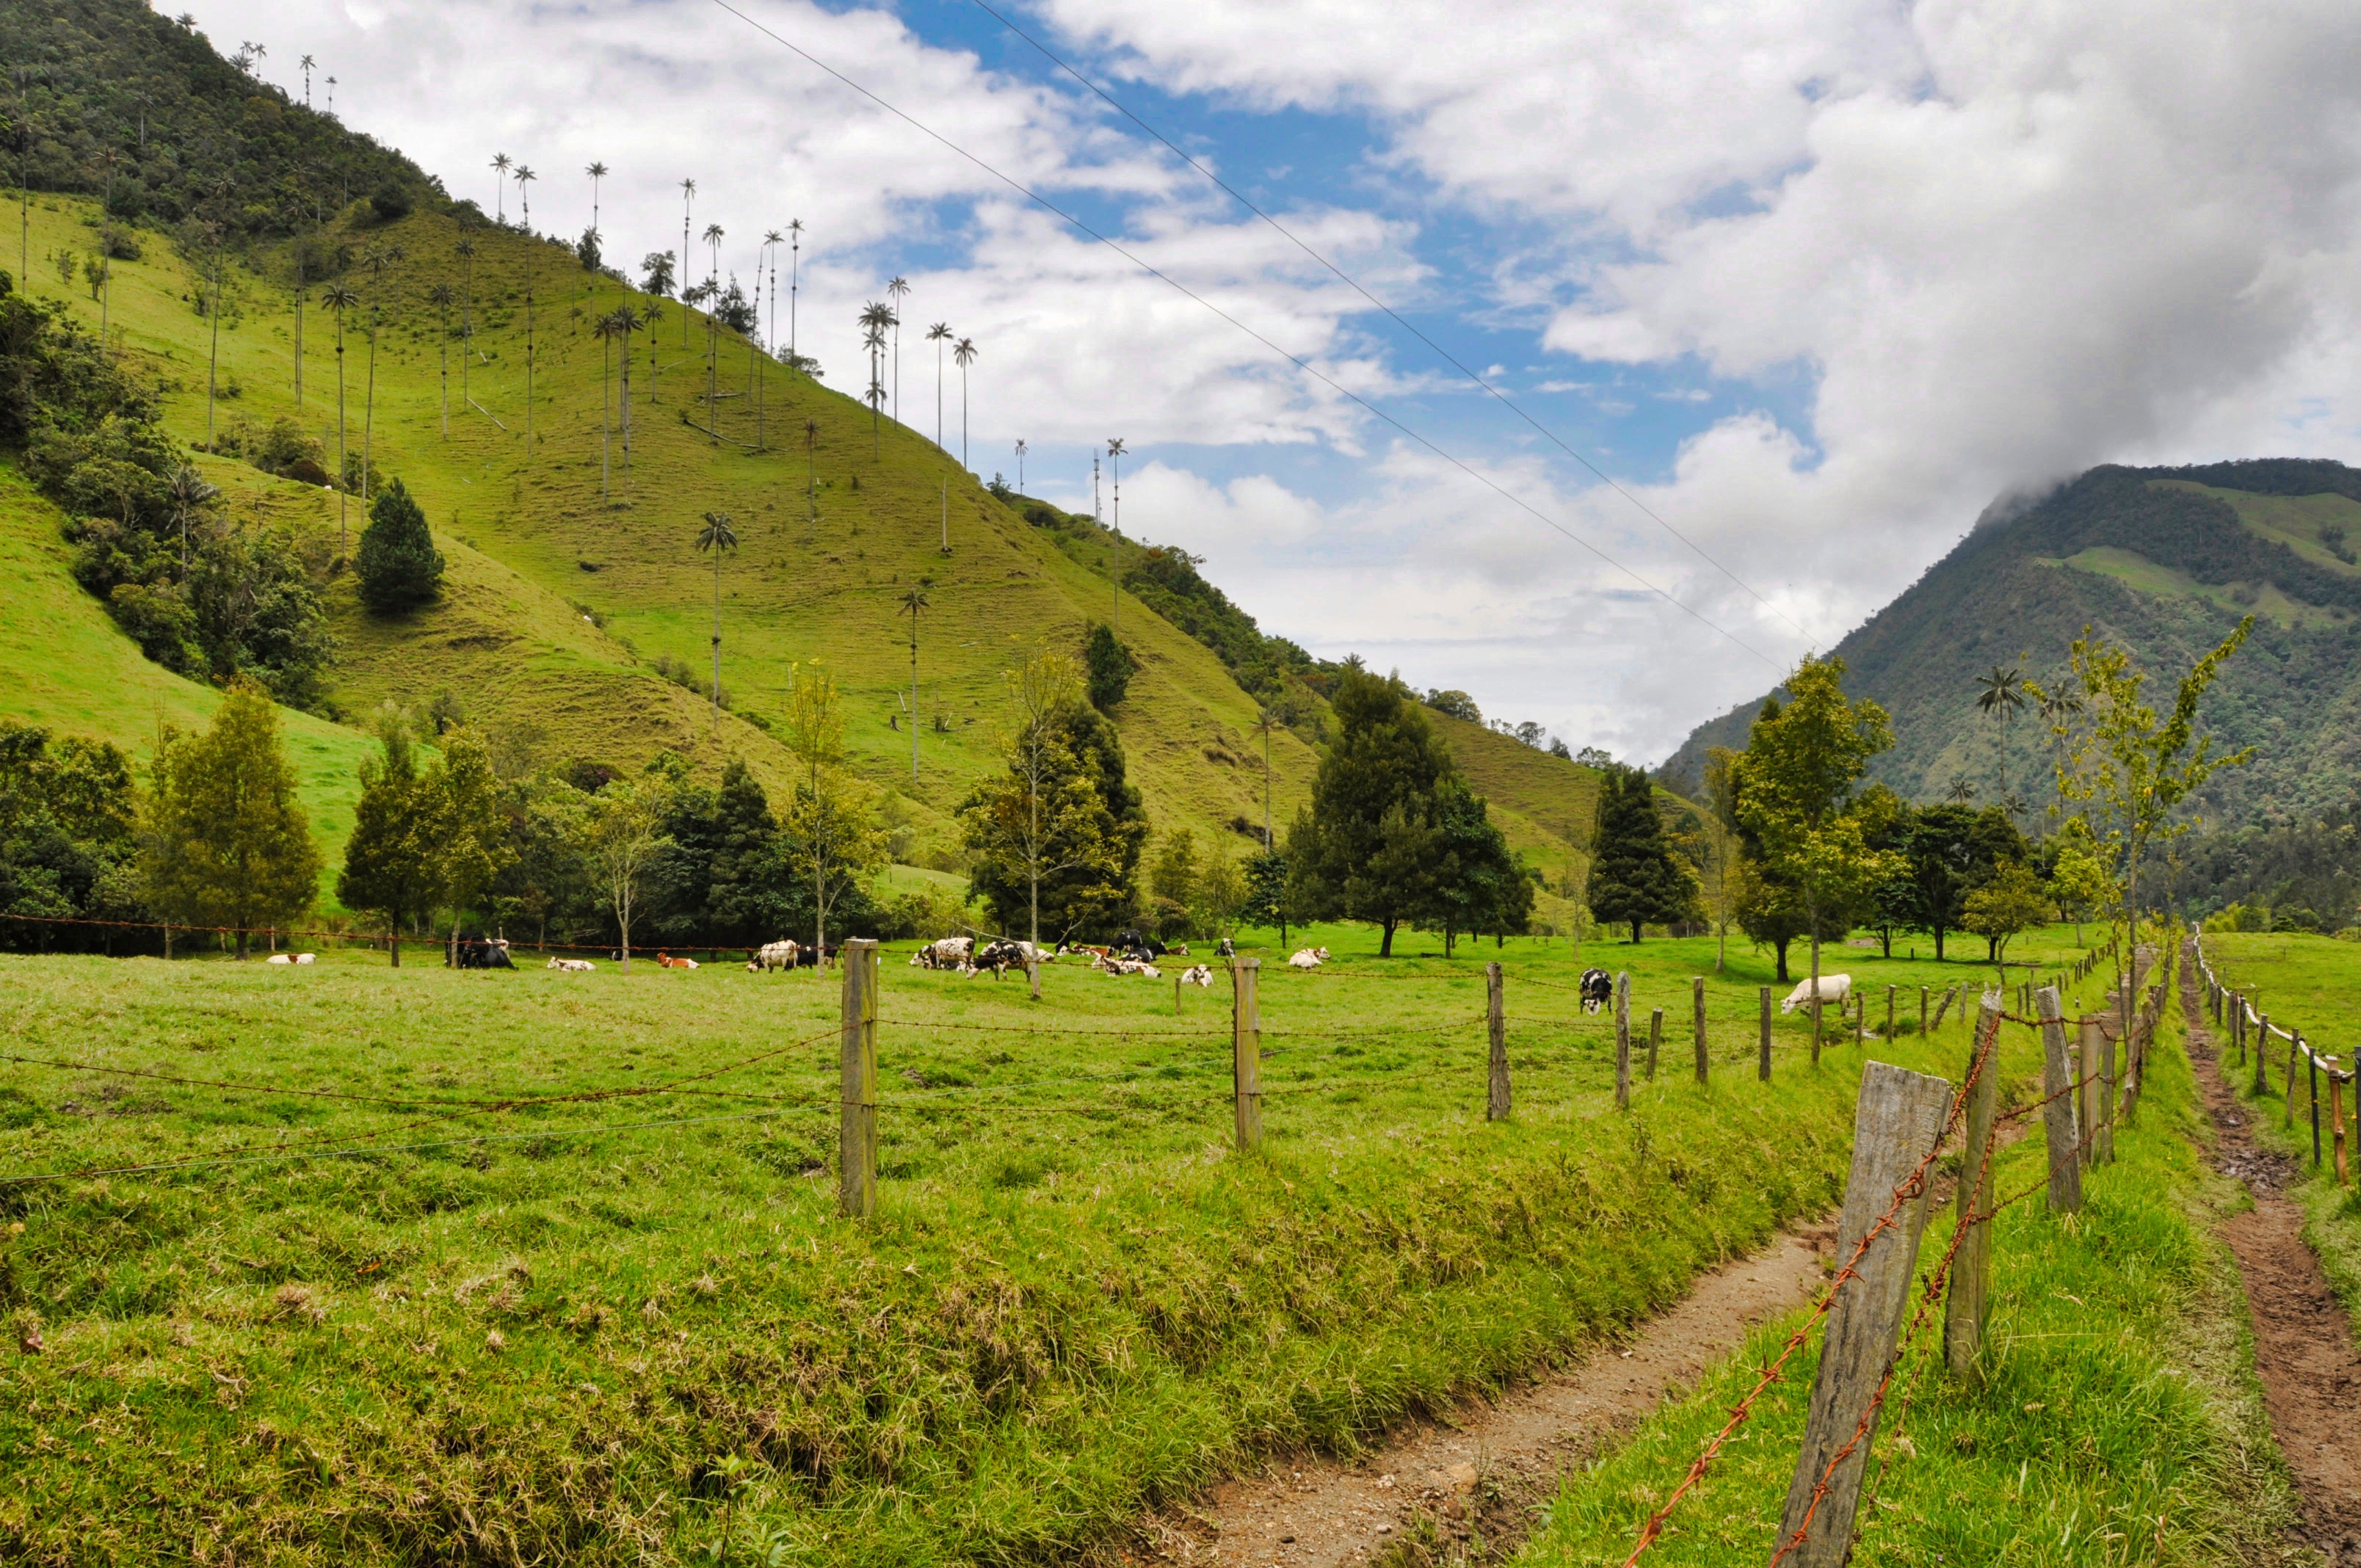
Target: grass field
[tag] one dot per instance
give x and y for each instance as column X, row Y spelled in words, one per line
column 2117, row 1420
column 570, row 1254
column 532, row 547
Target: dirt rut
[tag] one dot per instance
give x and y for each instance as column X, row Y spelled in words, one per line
column 2304, row 1344
column 1483, row 1475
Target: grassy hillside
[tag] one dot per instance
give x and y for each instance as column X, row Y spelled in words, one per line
column 561, row 605
column 2164, row 562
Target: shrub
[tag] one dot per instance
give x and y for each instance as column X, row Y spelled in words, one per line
column 398, row 565
column 390, row 201
column 1108, row 666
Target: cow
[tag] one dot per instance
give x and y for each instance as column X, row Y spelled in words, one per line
column 1228, row 949
column 1307, row 958
column 1132, row 944
column 482, row 952
column 1833, row 988
column 945, row 952
column 1201, row 975
column 778, row 955
column 1133, row 966
column 665, row 960
column 999, row 958
column 572, row 966
column 1596, row 987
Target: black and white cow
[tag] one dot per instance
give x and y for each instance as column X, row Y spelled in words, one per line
column 1597, row 987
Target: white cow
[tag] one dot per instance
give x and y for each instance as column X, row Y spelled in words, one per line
column 1834, row 987
column 1307, row 958
column 1201, row 975
column 946, row 952
column 572, row 966
column 290, row 958
column 778, row 955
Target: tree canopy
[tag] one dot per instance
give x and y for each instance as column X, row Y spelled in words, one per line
column 1634, row 878
column 225, row 842
column 397, row 564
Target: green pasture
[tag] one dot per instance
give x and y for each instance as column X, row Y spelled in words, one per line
column 2313, row 984
column 568, row 1253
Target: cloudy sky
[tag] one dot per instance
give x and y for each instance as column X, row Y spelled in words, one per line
column 1811, row 283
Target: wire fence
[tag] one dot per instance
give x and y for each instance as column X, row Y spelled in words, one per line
column 2253, row 1032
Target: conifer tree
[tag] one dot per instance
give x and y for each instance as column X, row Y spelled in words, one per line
column 1634, row 881
column 391, row 861
column 224, row 841
column 1365, row 848
column 1109, row 666
column 398, row 565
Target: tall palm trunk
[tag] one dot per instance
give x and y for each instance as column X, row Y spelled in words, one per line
column 212, row 367
column 368, row 410
column 442, row 321
column 627, row 414
column 342, row 482
column 300, row 287
column 606, row 409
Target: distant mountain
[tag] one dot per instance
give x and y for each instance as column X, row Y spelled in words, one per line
column 2164, row 561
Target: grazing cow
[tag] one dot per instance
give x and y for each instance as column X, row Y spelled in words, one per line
column 572, row 966
column 1228, row 949
column 1833, row 988
column 665, row 960
column 1201, row 975
column 1307, row 958
column 999, row 958
column 1595, row 986
column 778, row 955
column 946, row 952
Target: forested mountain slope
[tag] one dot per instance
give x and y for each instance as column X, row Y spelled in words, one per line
column 2163, row 560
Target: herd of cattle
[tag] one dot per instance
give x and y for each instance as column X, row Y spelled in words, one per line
column 1129, row 954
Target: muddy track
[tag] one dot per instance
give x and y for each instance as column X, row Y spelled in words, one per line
column 2304, row 1344
column 1435, row 1492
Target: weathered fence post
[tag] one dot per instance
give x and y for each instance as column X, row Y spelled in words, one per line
column 1897, row 1125
column 1623, row 1040
column 1245, row 1052
column 2336, row 1114
column 2093, row 1092
column 2057, row 1114
column 1696, row 1004
column 2105, row 1133
column 1889, row 1010
column 1763, row 1049
column 1655, row 1039
column 2261, row 1028
column 856, row 1155
column 2312, row 1072
column 1496, row 1020
column 2287, row 1115
column 1969, row 1306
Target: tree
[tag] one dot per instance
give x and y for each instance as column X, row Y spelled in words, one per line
column 474, row 849
column 2078, row 878
column 2000, row 694
column 225, row 842
column 1221, row 894
column 1772, row 911
column 1058, row 833
column 1478, row 888
column 393, row 865
column 1266, row 901
column 2124, row 772
column 466, row 251
column 712, row 237
column 339, row 299
column 440, row 296
column 1363, row 848
column 1634, row 879
column 623, row 834
column 964, row 355
column 398, row 566
column 606, row 329
column 501, row 164
column 1718, row 838
column 379, row 262
column 1796, row 781
column 2013, row 900
column 719, row 537
column 898, row 287
column 829, row 836
column 67, row 846
column 1172, row 884
column 939, row 334
column 831, row 839
column 1110, row 667
column 914, row 604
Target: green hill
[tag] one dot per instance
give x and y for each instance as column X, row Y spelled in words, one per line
column 2163, row 560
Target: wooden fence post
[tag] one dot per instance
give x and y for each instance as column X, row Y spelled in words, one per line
column 2094, row 1091
column 1623, row 1040
column 2312, row 1072
column 1896, row 1124
column 1495, row 1019
column 2261, row 1030
column 1245, row 1052
column 1922, row 1010
column 856, row 1155
column 1763, row 1050
column 2104, row 1137
column 1969, row 1306
column 2057, row 1115
column 1655, row 1039
column 2287, row 1115
column 2336, row 1114
column 1889, row 1010
column 1697, row 1001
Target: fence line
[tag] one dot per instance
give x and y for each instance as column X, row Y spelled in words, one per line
column 2247, row 1021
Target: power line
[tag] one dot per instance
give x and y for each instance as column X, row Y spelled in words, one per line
column 1355, row 284
column 1029, row 193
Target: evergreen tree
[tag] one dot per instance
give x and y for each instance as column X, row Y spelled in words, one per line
column 397, row 564
column 1108, row 667
column 1364, row 849
column 1479, row 887
column 226, row 840
column 475, row 848
column 1266, row 893
column 393, row 862
column 67, row 849
column 1634, row 880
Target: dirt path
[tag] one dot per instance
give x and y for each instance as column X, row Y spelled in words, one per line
column 1482, row 1476
column 2304, row 1345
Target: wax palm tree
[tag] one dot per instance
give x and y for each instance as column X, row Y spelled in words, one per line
column 212, row 361
column 501, row 164
column 596, row 171
column 605, row 330
column 2000, row 693
column 688, row 195
column 440, row 296
column 1115, row 572
column 649, row 318
column 1960, row 791
column 939, row 334
column 306, row 64
column 339, row 299
column 332, row 94
column 1021, row 450
column 964, row 355
column 898, row 287
column 913, row 603
column 719, row 537
column 811, row 481
column 466, row 251
column 772, row 240
column 712, row 237
column 627, row 321
column 525, row 179
column 190, row 494
column 794, row 281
